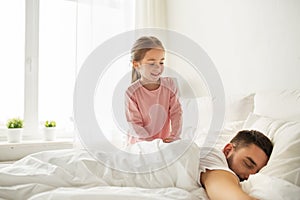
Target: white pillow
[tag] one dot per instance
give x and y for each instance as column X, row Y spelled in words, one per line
column 196, row 115
column 198, row 112
column 278, row 104
column 284, row 162
column 238, row 107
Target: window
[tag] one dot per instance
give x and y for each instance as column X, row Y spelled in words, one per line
column 12, row 40
column 68, row 32
column 57, row 62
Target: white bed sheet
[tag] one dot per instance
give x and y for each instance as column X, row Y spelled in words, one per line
column 116, row 193
column 56, row 174
column 74, row 174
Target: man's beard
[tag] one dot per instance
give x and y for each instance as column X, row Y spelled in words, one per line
column 229, row 161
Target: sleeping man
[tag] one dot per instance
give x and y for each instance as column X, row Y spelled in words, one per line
column 218, row 171
column 246, row 154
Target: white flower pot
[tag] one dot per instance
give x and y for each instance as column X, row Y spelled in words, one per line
column 14, row 135
column 49, row 133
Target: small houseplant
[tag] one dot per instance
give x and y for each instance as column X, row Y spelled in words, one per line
column 14, row 129
column 50, row 124
column 50, row 130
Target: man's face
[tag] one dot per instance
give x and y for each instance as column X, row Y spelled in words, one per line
column 245, row 160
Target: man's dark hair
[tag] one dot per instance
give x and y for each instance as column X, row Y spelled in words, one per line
column 248, row 137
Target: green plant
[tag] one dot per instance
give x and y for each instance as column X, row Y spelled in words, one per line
column 15, row 123
column 50, row 124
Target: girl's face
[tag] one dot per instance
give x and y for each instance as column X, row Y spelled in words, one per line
column 151, row 66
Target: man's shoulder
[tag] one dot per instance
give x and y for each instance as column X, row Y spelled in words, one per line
column 212, row 158
column 212, row 152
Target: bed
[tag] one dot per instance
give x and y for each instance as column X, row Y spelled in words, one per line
column 75, row 174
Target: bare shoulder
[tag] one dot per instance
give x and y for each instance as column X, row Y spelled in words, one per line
column 221, row 184
column 220, row 175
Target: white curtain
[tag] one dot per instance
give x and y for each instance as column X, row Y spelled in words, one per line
column 97, row 22
column 150, row 14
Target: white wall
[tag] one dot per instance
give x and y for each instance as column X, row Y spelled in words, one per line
column 254, row 44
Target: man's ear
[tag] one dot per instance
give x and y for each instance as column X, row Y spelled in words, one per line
column 227, row 149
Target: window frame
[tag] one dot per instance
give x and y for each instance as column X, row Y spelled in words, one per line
column 31, row 84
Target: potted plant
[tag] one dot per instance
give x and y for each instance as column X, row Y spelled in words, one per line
column 14, row 129
column 50, row 130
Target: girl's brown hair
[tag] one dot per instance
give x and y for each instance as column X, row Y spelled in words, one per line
column 139, row 50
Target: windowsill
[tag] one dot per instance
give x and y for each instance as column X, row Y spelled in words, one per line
column 16, row 151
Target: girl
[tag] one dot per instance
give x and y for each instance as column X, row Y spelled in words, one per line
column 153, row 109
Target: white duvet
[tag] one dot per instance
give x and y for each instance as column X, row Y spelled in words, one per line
column 74, row 174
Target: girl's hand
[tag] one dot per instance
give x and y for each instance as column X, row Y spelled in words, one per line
column 168, row 140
